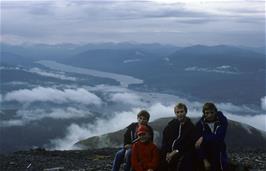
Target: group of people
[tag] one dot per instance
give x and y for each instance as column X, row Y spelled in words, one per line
column 185, row 146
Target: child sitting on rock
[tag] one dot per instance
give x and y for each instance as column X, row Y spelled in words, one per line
column 145, row 154
column 130, row 137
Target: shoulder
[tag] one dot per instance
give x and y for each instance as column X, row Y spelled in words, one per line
column 221, row 117
column 200, row 121
column 189, row 123
column 132, row 125
column 173, row 122
column 150, row 127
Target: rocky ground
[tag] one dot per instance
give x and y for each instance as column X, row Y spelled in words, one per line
column 99, row 160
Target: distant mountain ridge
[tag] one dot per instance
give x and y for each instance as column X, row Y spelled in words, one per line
column 239, row 136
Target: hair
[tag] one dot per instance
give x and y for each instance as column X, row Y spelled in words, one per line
column 209, row 106
column 144, row 113
column 181, row 106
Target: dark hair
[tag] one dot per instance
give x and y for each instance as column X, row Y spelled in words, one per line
column 144, row 113
column 181, row 105
column 209, row 106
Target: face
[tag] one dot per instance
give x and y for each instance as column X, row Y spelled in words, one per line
column 142, row 120
column 209, row 115
column 180, row 114
column 144, row 137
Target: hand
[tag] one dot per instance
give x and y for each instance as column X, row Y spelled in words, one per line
column 169, row 156
column 150, row 170
column 199, row 142
column 127, row 146
column 207, row 164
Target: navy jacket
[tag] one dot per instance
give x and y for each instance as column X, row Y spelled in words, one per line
column 213, row 146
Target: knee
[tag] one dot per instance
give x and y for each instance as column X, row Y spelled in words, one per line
column 120, row 154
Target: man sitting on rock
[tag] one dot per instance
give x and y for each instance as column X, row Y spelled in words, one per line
column 130, row 137
column 211, row 146
column 179, row 137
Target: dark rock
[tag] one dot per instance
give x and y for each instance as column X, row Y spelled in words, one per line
column 101, row 159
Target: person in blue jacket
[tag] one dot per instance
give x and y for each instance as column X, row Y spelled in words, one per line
column 211, row 146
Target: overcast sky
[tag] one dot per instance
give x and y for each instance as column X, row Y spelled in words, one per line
column 178, row 22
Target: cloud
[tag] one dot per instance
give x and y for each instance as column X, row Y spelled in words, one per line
column 24, row 117
column 120, row 120
column 57, row 113
column 131, row 60
column 257, row 121
column 225, row 69
column 76, row 132
column 10, row 123
column 50, row 74
column 44, row 94
column 140, row 21
column 263, row 103
column 126, row 98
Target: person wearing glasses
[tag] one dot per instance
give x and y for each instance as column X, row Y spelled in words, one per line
column 179, row 137
column 211, row 146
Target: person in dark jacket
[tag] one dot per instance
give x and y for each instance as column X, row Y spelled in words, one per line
column 179, row 137
column 211, row 146
column 130, row 137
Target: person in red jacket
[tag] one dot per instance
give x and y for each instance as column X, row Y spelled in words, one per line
column 145, row 154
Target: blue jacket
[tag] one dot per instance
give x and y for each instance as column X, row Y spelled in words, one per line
column 213, row 147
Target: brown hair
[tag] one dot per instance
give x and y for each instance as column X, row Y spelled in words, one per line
column 209, row 106
column 180, row 106
column 144, row 113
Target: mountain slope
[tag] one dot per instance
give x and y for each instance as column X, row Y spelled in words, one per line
column 239, row 136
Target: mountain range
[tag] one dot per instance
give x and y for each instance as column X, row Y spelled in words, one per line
column 228, row 75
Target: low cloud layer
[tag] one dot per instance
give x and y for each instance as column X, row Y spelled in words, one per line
column 44, row 94
column 126, row 98
column 61, row 75
column 125, row 104
column 263, row 103
column 220, row 69
column 120, row 120
column 24, row 117
column 76, row 132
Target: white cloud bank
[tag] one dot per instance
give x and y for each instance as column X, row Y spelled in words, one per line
column 76, row 132
column 44, row 94
column 24, row 117
column 263, row 103
column 126, row 98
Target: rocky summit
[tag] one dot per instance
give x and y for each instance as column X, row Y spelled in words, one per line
column 101, row 160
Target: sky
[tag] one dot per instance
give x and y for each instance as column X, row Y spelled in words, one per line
column 177, row 22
